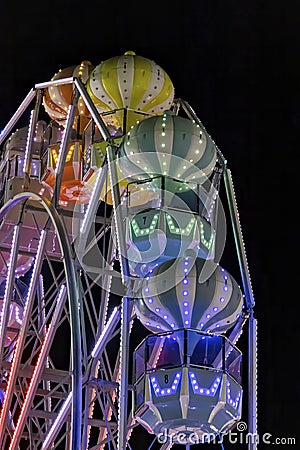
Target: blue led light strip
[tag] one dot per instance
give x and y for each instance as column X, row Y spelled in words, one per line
column 197, row 389
column 159, row 392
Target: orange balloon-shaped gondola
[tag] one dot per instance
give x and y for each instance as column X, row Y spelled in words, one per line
column 58, row 98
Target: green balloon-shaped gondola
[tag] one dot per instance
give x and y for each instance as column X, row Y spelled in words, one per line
column 167, row 145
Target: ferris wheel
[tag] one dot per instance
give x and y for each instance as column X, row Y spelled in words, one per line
column 118, row 318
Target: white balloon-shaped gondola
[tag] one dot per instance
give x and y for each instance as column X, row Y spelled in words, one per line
column 174, row 296
column 187, row 373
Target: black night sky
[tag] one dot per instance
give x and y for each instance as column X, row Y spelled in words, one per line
column 237, row 64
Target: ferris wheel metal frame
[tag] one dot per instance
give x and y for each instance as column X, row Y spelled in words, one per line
column 77, row 391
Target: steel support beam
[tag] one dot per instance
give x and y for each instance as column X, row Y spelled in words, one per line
column 252, row 383
column 22, row 108
column 36, row 377
column 125, row 304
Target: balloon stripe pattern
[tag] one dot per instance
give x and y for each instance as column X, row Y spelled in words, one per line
column 174, row 297
column 58, row 98
column 131, row 82
column 168, row 145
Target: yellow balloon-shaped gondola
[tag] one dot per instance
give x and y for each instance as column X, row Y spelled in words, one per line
column 131, row 87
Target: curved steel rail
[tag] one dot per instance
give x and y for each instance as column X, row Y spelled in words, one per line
column 73, row 296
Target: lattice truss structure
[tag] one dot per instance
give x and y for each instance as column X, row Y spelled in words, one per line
column 117, row 316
